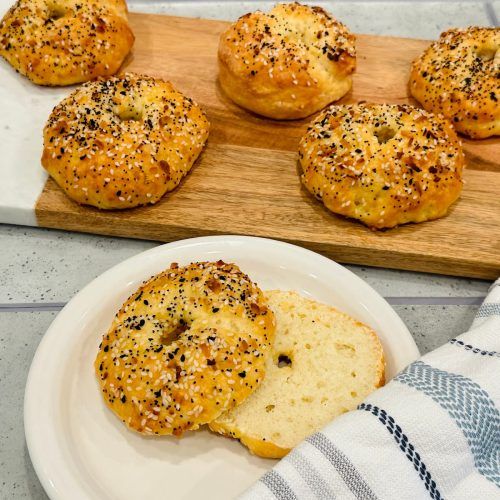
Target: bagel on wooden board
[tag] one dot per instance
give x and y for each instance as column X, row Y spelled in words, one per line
column 123, row 142
column 459, row 76
column 288, row 63
column 382, row 164
column 63, row 42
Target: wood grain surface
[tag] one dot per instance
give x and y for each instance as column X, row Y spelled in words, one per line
column 246, row 181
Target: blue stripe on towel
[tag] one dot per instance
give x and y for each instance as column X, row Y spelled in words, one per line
column 346, row 470
column 492, row 309
column 473, row 349
column 310, row 475
column 471, row 407
column 406, row 447
column 278, row 486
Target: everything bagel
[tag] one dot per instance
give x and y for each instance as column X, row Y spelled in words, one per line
column 459, row 76
column 123, row 142
column 382, row 164
column 56, row 42
column 188, row 345
column 288, row 63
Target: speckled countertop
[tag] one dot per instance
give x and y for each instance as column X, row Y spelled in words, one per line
column 40, row 270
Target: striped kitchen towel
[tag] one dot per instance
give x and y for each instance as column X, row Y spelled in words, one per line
column 432, row 432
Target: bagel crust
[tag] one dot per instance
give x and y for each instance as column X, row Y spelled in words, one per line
column 190, row 344
column 123, row 142
column 382, row 164
column 459, row 76
column 287, row 64
column 62, row 42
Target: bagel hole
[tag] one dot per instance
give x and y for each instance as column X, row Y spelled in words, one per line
column 55, row 12
column 487, row 53
column 384, row 134
column 129, row 114
column 168, row 338
column 284, row 360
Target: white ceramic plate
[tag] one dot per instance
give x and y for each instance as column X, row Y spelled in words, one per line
column 80, row 450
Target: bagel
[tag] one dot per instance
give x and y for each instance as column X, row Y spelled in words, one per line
column 382, row 164
column 123, row 142
column 190, row 344
column 459, row 76
column 62, row 42
column 288, row 63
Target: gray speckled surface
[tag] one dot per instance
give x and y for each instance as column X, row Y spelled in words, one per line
column 415, row 19
column 494, row 13
column 432, row 326
column 40, row 265
column 19, row 338
column 43, row 268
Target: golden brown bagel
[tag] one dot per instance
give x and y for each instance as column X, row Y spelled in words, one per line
column 382, row 164
column 62, row 42
column 191, row 343
column 123, row 142
column 459, row 76
column 286, row 64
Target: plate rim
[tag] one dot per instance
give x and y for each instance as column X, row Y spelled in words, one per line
column 35, row 443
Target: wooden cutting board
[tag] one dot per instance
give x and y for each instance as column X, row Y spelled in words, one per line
column 246, row 181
